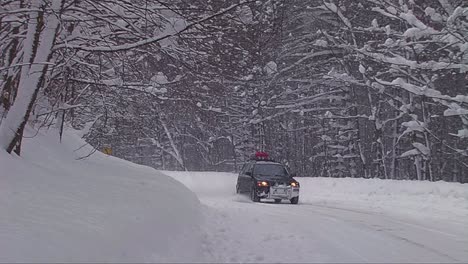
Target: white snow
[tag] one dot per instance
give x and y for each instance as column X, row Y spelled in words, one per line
column 55, row 208
column 409, row 153
column 418, row 33
column 271, row 68
column 429, row 65
column 337, row 220
column 159, row 79
column 462, row 133
column 362, row 69
column 385, row 13
column 412, row 126
column 429, row 11
column 245, row 14
column 456, row 110
column 392, row 10
column 321, row 43
column 388, row 31
column 459, row 11
column 421, row 148
column 331, row 6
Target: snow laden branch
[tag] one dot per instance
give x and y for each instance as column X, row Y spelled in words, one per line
column 406, row 65
column 106, row 45
column 154, row 39
column 427, row 65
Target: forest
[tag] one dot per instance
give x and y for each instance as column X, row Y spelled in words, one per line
column 332, row 88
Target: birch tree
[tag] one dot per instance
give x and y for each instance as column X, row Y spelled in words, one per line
column 78, row 33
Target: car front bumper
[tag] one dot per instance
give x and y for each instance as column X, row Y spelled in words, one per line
column 274, row 192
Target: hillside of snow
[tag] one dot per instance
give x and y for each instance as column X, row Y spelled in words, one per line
column 58, row 208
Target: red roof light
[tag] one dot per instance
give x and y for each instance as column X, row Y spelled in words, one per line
column 261, row 154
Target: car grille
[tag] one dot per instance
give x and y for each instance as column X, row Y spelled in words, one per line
column 280, row 183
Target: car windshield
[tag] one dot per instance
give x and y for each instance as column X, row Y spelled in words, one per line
column 270, row 170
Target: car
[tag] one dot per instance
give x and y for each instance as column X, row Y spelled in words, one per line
column 263, row 178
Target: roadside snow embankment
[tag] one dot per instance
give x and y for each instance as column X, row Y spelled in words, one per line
column 206, row 183
column 55, row 208
column 437, row 199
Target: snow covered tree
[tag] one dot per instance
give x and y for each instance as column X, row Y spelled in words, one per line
column 98, row 37
column 407, row 53
column 40, row 34
column 330, row 87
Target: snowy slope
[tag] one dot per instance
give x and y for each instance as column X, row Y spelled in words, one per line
column 55, row 208
column 336, row 221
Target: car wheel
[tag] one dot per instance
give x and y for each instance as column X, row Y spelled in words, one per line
column 295, row 200
column 277, row 200
column 253, row 195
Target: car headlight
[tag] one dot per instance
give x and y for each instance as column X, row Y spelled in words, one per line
column 262, row 184
column 294, row 184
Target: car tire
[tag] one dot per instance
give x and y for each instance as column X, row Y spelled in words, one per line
column 253, row 195
column 294, row 200
column 277, row 200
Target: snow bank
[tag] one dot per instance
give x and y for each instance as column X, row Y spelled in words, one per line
column 55, row 208
column 206, row 183
column 423, row 198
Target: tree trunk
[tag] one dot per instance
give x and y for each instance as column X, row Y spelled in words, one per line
column 33, row 72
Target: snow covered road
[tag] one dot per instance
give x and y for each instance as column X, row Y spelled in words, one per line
column 56, row 208
column 238, row 230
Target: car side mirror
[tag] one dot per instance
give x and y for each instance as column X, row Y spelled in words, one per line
column 248, row 173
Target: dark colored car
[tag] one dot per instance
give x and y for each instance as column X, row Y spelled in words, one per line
column 264, row 179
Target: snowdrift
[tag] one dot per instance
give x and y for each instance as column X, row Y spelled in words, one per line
column 206, row 183
column 424, row 198
column 56, row 208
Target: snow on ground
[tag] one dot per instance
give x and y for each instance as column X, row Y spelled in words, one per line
column 337, row 220
column 441, row 200
column 55, row 208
